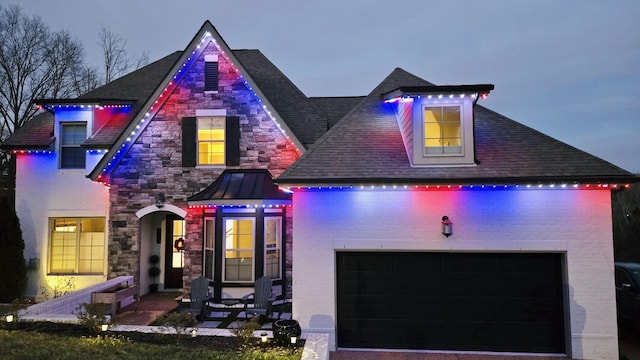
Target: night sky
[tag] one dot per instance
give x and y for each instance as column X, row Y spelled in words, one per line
column 570, row 69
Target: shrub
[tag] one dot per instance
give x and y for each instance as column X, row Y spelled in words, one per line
column 245, row 332
column 12, row 267
column 180, row 322
column 92, row 317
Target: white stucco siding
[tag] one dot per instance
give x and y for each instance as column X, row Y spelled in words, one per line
column 575, row 222
column 44, row 191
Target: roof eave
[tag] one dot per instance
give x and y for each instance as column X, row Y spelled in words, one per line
column 498, row 181
column 437, row 89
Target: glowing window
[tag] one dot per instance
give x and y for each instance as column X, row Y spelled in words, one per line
column 77, row 245
column 442, row 130
column 238, row 249
column 177, row 256
column 211, row 145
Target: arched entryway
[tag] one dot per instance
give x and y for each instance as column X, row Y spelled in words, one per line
column 160, row 226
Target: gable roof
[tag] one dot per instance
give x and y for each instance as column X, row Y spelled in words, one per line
column 366, row 146
column 294, row 113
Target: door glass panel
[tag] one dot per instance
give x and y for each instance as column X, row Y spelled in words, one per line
column 177, row 257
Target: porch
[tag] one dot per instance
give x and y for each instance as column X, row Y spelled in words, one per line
column 150, row 307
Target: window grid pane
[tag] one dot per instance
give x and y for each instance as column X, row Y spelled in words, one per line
column 77, row 245
column 72, row 156
column 238, row 258
column 209, row 239
column 442, row 130
column 272, row 242
column 211, row 146
column 177, row 257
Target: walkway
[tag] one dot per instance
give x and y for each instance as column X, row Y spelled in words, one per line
column 147, row 309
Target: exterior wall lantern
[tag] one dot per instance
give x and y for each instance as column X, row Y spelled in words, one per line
column 160, row 199
column 447, row 226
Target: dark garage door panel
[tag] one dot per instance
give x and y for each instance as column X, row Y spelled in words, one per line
column 450, row 301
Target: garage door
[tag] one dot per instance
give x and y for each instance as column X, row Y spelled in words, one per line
column 450, row 301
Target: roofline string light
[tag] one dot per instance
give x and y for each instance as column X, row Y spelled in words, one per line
column 449, row 187
column 410, row 98
column 31, row 152
column 82, row 106
column 161, row 98
column 244, row 206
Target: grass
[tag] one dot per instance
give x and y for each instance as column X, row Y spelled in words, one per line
column 38, row 343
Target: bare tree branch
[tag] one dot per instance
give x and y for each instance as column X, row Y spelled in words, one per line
column 34, row 63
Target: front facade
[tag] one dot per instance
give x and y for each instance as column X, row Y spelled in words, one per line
column 211, row 162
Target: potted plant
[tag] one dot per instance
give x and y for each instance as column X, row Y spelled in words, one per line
column 154, row 271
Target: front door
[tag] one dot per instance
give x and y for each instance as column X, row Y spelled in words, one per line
column 174, row 258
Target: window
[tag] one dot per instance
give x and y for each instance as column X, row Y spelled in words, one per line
column 177, row 257
column 442, row 130
column 211, row 146
column 211, row 139
column 272, row 244
column 77, row 245
column 72, row 156
column 209, row 250
column 238, row 249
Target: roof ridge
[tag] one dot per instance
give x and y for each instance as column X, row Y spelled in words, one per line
column 342, row 121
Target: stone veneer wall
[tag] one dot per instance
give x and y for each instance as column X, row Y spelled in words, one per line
column 154, row 164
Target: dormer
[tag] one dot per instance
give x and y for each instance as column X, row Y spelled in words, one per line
column 436, row 122
column 75, row 125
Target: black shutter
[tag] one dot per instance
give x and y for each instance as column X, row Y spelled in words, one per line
column 189, row 142
column 211, row 76
column 232, row 141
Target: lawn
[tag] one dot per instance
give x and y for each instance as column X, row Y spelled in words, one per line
column 69, row 343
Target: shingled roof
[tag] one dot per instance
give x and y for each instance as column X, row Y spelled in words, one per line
column 35, row 134
column 366, row 146
column 305, row 120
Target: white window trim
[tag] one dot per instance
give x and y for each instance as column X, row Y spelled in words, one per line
column 210, row 113
column 59, row 147
column 224, row 248
column 278, row 246
column 466, row 157
column 76, row 271
column 212, row 219
column 422, row 129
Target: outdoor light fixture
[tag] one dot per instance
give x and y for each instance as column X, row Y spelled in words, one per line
column 294, row 339
column 105, row 327
column 447, row 226
column 194, row 332
column 9, row 318
column 179, row 244
column 160, row 200
column 263, row 337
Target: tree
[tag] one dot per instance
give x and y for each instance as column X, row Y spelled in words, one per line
column 626, row 223
column 13, row 272
column 35, row 62
column 116, row 59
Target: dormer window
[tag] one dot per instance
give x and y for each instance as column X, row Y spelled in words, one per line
column 436, row 122
column 442, row 130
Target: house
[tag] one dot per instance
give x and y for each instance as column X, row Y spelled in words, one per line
column 410, row 218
